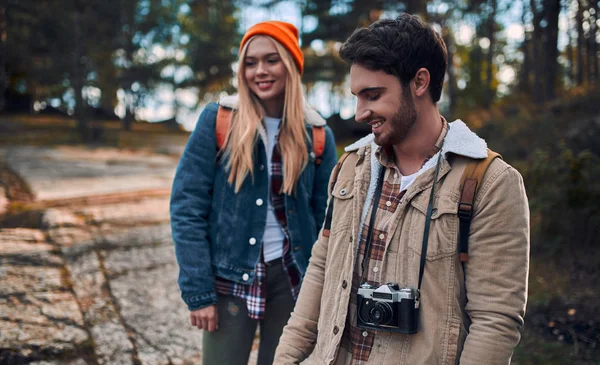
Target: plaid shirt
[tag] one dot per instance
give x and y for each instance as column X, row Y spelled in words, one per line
column 357, row 341
column 255, row 295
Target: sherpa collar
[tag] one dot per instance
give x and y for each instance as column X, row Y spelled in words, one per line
column 310, row 115
column 460, row 140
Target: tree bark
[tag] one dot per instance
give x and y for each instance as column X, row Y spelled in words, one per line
column 570, row 55
column 3, row 74
column 489, row 92
column 580, row 42
column 536, row 47
column 593, row 44
column 524, row 83
column 552, row 11
column 77, row 80
column 450, row 69
column 126, row 77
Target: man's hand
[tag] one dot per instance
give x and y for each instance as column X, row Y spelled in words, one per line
column 205, row 318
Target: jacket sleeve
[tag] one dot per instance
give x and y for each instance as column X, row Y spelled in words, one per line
column 191, row 198
column 497, row 270
column 322, row 174
column 300, row 334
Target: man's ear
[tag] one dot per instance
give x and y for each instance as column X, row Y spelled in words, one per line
column 421, row 82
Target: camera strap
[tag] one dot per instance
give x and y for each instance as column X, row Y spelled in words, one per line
column 372, row 223
column 376, row 198
column 426, row 230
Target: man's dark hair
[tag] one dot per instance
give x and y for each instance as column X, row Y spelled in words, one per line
column 400, row 47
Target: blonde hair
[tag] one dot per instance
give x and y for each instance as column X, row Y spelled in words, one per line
column 243, row 133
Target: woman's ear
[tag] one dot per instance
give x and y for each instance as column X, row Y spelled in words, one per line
column 421, row 82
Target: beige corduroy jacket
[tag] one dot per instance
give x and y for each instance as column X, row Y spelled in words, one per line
column 469, row 322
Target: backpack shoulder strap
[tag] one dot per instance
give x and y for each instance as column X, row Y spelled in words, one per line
column 334, row 176
column 469, row 185
column 222, row 125
column 318, row 141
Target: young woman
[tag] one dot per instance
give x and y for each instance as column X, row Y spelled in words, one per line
column 245, row 215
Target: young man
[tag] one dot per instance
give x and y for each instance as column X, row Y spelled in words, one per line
column 444, row 309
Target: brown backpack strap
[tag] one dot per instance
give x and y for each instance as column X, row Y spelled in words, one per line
column 334, row 176
column 318, row 141
column 222, row 125
column 469, row 184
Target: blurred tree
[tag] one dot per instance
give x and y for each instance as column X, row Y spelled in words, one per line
column 20, row 50
column 145, row 28
column 543, row 48
column 211, row 35
column 565, row 213
column 51, row 48
column 580, row 41
column 3, row 75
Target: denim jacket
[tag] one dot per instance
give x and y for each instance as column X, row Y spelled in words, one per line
column 218, row 232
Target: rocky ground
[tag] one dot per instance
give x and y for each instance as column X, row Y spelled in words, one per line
column 87, row 266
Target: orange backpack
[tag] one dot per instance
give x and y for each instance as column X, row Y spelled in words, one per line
column 222, row 127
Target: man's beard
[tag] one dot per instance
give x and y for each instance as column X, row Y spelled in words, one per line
column 403, row 121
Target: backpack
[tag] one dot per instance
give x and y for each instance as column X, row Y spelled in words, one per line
column 469, row 185
column 224, row 119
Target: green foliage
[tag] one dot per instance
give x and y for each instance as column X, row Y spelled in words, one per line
column 213, row 33
column 564, row 190
column 534, row 350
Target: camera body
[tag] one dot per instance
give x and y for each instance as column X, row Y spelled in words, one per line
column 387, row 308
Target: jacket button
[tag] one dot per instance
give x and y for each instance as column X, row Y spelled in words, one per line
column 343, row 192
column 252, row 241
column 344, row 284
column 259, row 202
column 336, row 330
column 262, row 167
column 245, row 277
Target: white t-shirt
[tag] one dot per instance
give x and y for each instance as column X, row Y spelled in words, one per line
column 274, row 236
column 406, row 181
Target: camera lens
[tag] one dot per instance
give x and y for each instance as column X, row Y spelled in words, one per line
column 380, row 313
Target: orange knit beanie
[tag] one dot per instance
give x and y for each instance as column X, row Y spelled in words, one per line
column 284, row 33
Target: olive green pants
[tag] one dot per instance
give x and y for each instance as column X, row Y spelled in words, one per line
column 232, row 343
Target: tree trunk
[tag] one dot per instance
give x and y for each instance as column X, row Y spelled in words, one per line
column 580, row 42
column 77, row 80
column 128, row 15
column 129, row 116
column 536, row 47
column 524, row 83
column 552, row 10
column 593, row 44
column 570, row 55
column 3, row 75
column 451, row 77
column 489, row 92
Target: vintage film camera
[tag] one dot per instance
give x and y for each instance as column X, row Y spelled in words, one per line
column 387, row 308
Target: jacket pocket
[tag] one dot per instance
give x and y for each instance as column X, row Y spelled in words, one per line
column 343, row 192
column 443, row 231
